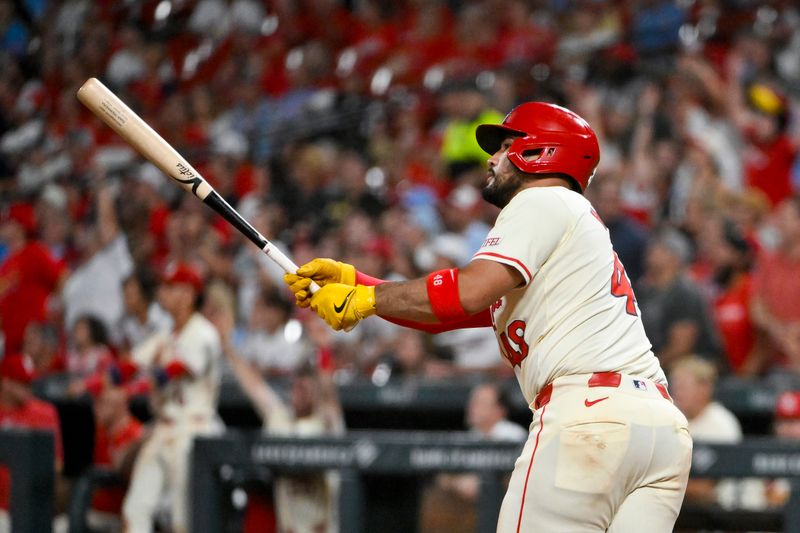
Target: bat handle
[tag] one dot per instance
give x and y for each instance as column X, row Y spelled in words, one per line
column 285, row 263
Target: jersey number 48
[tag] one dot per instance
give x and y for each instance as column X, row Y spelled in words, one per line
column 621, row 286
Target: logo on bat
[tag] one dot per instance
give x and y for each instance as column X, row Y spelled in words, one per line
column 194, row 179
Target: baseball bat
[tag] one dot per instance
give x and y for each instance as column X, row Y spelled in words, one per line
column 130, row 126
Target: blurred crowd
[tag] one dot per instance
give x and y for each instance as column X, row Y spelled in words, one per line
column 345, row 129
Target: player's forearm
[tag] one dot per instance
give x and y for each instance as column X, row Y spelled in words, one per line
column 252, row 384
column 407, row 300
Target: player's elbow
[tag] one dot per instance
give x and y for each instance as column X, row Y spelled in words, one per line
column 473, row 301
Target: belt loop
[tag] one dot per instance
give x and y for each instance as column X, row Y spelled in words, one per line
column 543, row 398
column 605, row 379
column 663, row 390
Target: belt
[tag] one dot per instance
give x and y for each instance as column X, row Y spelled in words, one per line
column 598, row 379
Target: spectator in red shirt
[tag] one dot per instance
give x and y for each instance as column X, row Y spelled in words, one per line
column 776, row 291
column 730, row 258
column 117, row 438
column 43, row 346
column 21, row 410
column 28, row 276
column 771, row 152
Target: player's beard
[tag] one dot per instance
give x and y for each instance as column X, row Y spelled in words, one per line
column 501, row 190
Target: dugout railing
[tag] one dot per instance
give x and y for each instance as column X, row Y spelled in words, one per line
column 219, row 464
column 29, row 457
column 419, row 454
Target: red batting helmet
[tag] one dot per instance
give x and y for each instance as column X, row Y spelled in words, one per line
column 550, row 140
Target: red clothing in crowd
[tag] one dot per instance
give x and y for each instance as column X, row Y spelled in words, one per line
column 732, row 316
column 35, row 414
column 27, row 278
column 775, row 284
column 768, row 167
column 108, row 446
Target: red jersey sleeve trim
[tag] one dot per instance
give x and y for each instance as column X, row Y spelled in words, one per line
column 482, row 319
column 510, row 261
column 363, row 279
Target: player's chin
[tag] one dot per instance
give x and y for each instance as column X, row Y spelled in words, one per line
column 495, row 194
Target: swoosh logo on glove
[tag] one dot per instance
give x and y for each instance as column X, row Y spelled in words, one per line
column 340, row 308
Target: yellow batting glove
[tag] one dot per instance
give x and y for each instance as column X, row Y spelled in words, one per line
column 343, row 306
column 321, row 270
column 299, row 286
column 325, row 271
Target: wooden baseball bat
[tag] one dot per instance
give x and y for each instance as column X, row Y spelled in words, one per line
column 130, row 126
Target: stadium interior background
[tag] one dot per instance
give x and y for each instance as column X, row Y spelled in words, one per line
column 345, row 129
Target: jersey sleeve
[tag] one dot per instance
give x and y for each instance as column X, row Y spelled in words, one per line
column 527, row 231
column 204, row 348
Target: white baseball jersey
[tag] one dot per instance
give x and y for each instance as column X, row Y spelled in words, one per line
column 197, row 346
column 576, row 313
column 305, row 503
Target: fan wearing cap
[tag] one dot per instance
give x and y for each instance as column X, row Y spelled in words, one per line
column 19, row 408
column 29, row 275
column 770, row 152
column 607, row 449
column 184, row 365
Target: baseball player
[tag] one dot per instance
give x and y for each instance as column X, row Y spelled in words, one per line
column 607, row 449
column 185, row 366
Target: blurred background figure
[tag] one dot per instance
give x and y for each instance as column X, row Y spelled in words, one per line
column 487, row 414
column 19, row 408
column 465, row 107
column 117, row 438
column 89, row 352
column 786, row 428
column 776, row 293
column 42, row 345
column 728, row 258
column 628, row 236
column 449, row 502
column 29, row 274
column 691, row 383
column 273, row 341
column 185, row 369
column 143, row 316
column 303, row 502
column 95, row 286
column 674, row 314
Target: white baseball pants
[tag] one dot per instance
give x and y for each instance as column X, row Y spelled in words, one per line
column 161, row 475
column 600, row 458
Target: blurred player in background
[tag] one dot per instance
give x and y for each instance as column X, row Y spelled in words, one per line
column 607, row 450
column 185, row 370
column 304, row 503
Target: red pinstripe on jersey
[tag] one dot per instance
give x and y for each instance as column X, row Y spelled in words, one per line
column 528, row 474
column 512, row 259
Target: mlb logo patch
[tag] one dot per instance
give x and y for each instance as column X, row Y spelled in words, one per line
column 639, row 384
